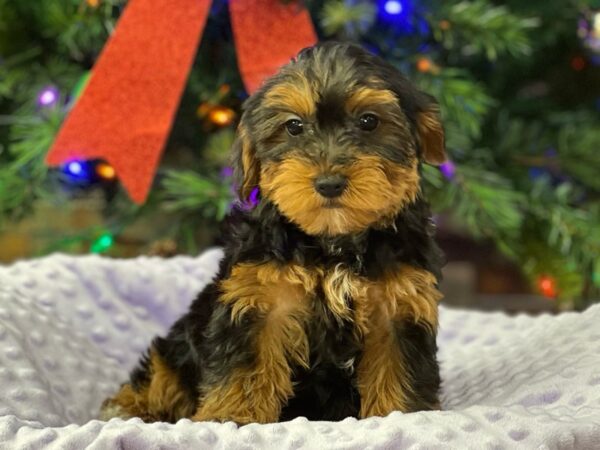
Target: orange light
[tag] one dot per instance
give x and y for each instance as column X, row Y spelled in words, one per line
column 444, row 24
column 547, row 286
column 224, row 89
column 93, row 3
column 424, row 64
column 106, row 171
column 221, row 116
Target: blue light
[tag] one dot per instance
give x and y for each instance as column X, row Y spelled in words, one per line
column 393, row 7
column 401, row 15
column 75, row 168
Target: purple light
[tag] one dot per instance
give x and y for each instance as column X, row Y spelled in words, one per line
column 252, row 201
column 448, row 169
column 253, row 198
column 48, row 96
column 226, row 172
column 393, row 7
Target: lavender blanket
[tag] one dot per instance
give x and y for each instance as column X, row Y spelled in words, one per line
column 72, row 327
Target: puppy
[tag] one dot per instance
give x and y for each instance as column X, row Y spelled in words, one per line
column 325, row 304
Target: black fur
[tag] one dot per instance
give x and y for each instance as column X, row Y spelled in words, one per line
column 204, row 346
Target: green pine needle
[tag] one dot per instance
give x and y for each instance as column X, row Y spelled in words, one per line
column 480, row 27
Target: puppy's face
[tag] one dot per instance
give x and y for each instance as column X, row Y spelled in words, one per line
column 335, row 140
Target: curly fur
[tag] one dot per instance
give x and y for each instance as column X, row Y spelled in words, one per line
column 318, row 310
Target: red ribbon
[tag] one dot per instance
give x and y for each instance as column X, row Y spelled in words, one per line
column 126, row 111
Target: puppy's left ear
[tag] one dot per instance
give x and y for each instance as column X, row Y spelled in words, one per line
column 431, row 131
column 246, row 168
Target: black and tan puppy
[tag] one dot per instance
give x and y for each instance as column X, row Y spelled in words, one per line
column 325, row 305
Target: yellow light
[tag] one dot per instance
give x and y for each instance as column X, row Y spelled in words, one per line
column 105, row 171
column 221, row 116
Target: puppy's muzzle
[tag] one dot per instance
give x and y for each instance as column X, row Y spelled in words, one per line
column 330, row 186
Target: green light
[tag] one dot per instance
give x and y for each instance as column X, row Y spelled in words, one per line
column 103, row 243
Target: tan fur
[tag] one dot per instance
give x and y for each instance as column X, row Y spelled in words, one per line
column 377, row 189
column 161, row 399
column 296, row 97
column 383, row 383
column 431, row 134
column 258, row 393
column 339, row 285
column 406, row 294
column 364, row 97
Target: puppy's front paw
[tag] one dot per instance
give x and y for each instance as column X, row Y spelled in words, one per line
column 109, row 410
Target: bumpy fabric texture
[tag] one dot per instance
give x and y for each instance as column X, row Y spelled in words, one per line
column 72, row 327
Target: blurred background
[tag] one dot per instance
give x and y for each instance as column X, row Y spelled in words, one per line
column 517, row 205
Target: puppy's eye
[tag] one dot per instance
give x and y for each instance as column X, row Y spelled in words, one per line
column 368, row 122
column 294, row 127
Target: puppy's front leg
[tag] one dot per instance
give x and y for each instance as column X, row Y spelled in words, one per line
column 256, row 331
column 398, row 370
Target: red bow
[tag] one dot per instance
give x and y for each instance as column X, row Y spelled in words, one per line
column 127, row 109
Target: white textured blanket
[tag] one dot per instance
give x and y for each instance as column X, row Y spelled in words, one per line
column 72, row 327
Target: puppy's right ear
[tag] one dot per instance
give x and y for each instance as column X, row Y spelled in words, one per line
column 246, row 168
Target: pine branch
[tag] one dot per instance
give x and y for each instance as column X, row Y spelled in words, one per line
column 577, row 146
column 483, row 202
column 480, row 27
column 187, row 191
column 463, row 102
column 346, row 19
column 571, row 230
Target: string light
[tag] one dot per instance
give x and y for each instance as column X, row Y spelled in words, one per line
column 48, row 96
column 444, row 25
column 221, row 116
column 103, row 243
column 252, row 201
column 227, row 172
column 393, row 7
column 588, row 29
column 547, row 286
column 448, row 169
column 253, row 198
column 224, row 89
column 424, row 65
column 75, row 169
column 88, row 173
column 106, row 171
column 399, row 14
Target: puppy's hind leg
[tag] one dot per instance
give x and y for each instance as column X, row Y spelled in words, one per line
column 153, row 394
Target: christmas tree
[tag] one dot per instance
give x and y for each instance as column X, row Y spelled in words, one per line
column 518, row 85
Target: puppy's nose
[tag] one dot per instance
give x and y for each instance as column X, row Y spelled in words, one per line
column 331, row 186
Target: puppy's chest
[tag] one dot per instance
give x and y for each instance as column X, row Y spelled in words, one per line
column 333, row 342
column 336, row 294
column 333, row 326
